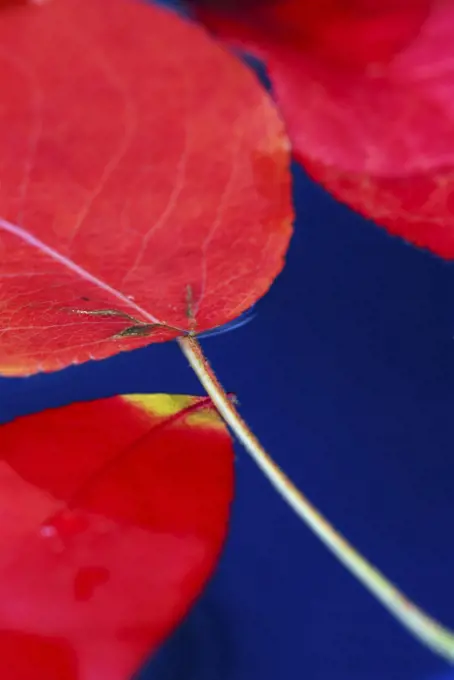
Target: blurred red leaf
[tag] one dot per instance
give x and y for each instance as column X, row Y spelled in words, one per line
column 366, row 89
column 137, row 158
column 113, row 516
column 355, row 32
column 7, row 3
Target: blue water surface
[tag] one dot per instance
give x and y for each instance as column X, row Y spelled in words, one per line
column 346, row 374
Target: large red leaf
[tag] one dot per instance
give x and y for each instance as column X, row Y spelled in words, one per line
column 367, row 89
column 113, row 514
column 351, row 31
column 137, row 158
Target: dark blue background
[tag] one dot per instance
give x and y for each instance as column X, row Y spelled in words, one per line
column 347, row 376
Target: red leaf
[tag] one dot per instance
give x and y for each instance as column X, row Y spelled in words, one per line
column 113, row 516
column 355, row 32
column 367, row 92
column 137, row 158
column 6, row 3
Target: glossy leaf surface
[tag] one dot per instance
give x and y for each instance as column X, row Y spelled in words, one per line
column 113, row 516
column 366, row 89
column 138, row 158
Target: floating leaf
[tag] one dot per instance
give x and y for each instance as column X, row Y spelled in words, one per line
column 130, row 170
column 366, row 89
column 355, row 32
column 113, row 516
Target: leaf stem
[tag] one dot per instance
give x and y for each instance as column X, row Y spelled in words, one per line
column 426, row 629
